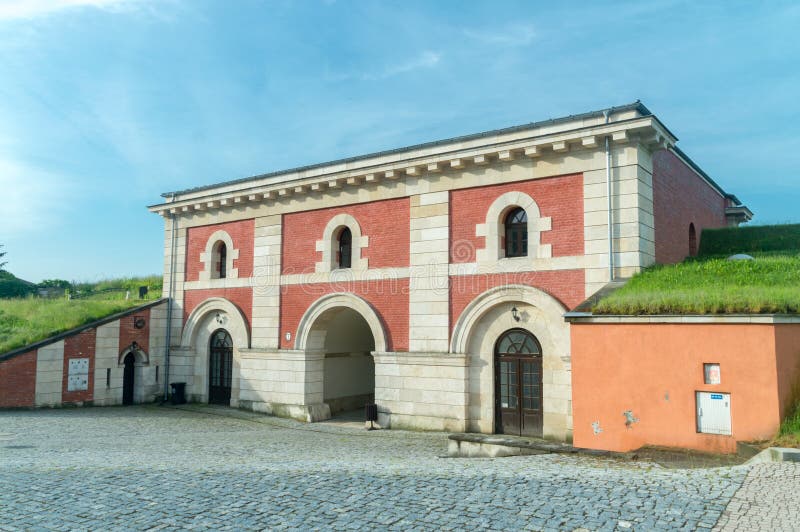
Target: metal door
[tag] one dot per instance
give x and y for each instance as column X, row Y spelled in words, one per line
column 713, row 412
column 220, row 369
column 518, row 384
column 127, row 380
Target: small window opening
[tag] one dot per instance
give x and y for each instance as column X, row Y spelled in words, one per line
column 156, row 374
column 345, row 248
column 692, row 241
column 223, row 260
column 516, row 238
column 108, row 377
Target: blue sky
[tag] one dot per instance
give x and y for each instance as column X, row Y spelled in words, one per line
column 105, row 104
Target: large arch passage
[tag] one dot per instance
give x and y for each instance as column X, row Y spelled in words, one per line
column 343, row 330
column 349, row 371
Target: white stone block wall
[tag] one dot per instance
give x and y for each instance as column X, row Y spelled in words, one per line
column 428, row 313
column 423, row 391
column 632, row 216
column 49, row 374
column 179, row 265
column 106, row 356
column 266, row 286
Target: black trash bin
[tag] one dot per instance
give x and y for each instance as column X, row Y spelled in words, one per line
column 178, row 393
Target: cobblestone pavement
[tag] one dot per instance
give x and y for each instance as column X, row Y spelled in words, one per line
column 162, row 468
column 769, row 499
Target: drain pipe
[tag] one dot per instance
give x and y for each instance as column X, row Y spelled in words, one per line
column 606, row 115
column 170, row 301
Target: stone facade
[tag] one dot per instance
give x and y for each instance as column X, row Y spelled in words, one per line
column 414, row 320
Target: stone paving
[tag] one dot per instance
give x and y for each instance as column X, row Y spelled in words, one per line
column 152, row 468
column 769, row 499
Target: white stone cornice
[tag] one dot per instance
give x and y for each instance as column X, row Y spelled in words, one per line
column 537, row 142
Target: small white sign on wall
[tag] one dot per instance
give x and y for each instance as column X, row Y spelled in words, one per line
column 78, row 376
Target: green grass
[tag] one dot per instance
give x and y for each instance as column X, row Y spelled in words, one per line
column 116, row 288
column 769, row 284
column 789, row 433
column 24, row 321
column 750, row 239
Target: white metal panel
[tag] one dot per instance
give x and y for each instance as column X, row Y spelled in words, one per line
column 78, row 376
column 714, row 413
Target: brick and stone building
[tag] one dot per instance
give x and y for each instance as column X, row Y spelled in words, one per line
column 432, row 280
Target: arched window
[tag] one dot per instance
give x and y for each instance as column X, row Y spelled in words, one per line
column 516, row 224
column 345, row 248
column 219, row 268
column 692, row 241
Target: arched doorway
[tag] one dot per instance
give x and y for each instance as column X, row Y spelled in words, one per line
column 128, row 379
column 220, row 367
column 349, row 369
column 518, row 384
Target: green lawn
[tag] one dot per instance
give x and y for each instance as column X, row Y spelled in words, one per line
column 24, row 321
column 768, row 284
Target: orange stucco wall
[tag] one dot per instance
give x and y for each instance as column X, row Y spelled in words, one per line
column 787, row 342
column 655, row 369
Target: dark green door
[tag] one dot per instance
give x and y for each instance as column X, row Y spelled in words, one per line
column 518, row 384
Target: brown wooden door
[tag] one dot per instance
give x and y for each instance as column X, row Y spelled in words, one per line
column 220, row 362
column 518, row 384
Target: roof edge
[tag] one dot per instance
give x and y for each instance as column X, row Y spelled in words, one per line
column 637, row 105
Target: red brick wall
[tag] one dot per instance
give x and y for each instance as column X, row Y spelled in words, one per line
column 565, row 285
column 560, row 198
column 242, row 234
column 81, row 345
column 241, row 297
column 129, row 334
column 681, row 197
column 386, row 223
column 389, row 298
column 18, row 381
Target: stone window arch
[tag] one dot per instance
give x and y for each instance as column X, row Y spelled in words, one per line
column 218, row 257
column 329, row 245
column 494, row 228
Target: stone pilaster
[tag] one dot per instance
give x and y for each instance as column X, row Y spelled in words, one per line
column 266, row 285
column 428, row 315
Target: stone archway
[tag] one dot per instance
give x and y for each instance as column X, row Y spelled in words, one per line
column 339, row 334
column 476, row 332
column 133, row 360
column 209, row 316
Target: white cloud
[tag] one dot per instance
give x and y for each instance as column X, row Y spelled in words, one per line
column 26, row 9
column 516, row 35
column 33, row 199
column 425, row 60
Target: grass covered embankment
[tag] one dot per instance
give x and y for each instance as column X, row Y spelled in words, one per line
column 27, row 320
column 768, row 284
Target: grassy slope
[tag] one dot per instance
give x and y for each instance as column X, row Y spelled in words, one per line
column 24, row 321
column 768, row 284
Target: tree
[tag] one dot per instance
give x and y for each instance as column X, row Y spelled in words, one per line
column 2, row 254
